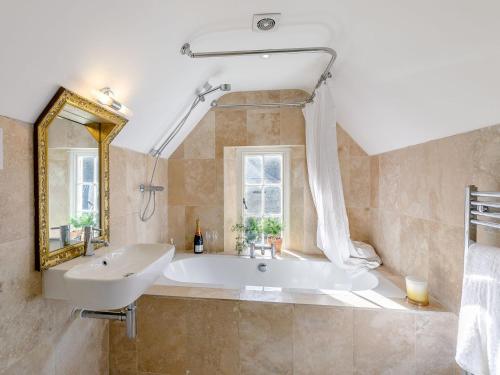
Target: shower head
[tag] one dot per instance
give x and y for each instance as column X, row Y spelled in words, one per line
column 223, row 87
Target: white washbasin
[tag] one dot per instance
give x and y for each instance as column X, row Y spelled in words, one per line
column 115, row 278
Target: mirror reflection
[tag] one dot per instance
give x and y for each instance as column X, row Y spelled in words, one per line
column 73, row 175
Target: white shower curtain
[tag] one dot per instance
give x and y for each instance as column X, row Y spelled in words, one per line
column 333, row 236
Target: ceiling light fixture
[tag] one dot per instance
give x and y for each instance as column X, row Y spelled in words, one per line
column 265, row 56
column 106, row 97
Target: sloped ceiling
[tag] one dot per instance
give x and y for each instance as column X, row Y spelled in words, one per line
column 407, row 72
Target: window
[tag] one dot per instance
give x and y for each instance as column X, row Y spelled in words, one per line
column 264, row 185
column 85, row 185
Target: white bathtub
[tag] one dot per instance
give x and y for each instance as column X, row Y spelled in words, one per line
column 226, row 271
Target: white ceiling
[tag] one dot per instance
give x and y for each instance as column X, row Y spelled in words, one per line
column 407, row 72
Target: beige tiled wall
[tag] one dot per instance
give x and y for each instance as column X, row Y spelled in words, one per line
column 37, row 336
column 418, row 206
column 196, row 170
column 202, row 336
column 129, row 169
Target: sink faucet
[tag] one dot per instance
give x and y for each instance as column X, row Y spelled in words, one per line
column 89, row 240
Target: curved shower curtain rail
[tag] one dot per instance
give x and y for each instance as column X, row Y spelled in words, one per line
column 186, row 50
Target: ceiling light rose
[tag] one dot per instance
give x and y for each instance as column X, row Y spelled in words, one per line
column 106, row 97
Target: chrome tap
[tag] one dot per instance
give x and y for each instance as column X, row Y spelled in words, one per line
column 263, row 248
column 252, row 249
column 273, row 250
column 89, row 240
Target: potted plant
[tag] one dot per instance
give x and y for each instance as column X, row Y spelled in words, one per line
column 253, row 230
column 79, row 222
column 272, row 229
column 241, row 243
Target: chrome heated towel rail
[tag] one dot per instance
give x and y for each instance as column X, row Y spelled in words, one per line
column 482, row 208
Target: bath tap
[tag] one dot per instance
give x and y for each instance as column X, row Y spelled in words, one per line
column 273, row 250
column 252, row 250
column 263, row 248
column 89, row 240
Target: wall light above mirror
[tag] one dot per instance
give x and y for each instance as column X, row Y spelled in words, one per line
column 106, row 96
column 72, row 138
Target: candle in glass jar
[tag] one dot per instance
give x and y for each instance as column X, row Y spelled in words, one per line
column 417, row 291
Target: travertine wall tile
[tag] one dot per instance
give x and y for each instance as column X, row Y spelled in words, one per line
column 454, row 163
column 422, row 188
column 177, row 225
column 213, row 337
column 162, row 327
column 176, row 192
column 265, row 96
column 123, row 353
column 374, row 181
column 231, row 201
column 200, row 184
column 359, row 182
column 16, row 181
column 435, row 342
column 263, row 127
column 416, row 181
column 266, row 338
column 446, row 261
column 200, row 143
column 389, row 169
column 386, row 237
column 296, row 216
column 415, row 238
column 359, row 223
column 292, row 95
column 396, row 330
column 485, row 152
column 323, row 340
column 292, row 127
column 230, row 130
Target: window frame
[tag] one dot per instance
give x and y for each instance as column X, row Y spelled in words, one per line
column 75, row 154
column 285, row 151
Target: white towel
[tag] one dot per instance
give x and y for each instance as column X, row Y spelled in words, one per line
column 478, row 343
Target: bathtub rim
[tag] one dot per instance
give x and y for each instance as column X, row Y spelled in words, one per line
column 385, row 291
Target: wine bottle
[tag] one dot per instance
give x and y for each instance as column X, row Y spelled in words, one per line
column 198, row 239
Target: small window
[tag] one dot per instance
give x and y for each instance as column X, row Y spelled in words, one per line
column 264, row 186
column 85, row 186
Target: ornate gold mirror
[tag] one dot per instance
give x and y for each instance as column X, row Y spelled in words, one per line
column 72, row 138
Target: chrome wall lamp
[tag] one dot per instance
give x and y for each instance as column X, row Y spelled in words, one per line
column 106, row 96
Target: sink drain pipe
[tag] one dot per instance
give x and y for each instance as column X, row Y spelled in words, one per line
column 127, row 315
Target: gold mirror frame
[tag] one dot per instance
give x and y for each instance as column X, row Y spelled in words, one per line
column 45, row 258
